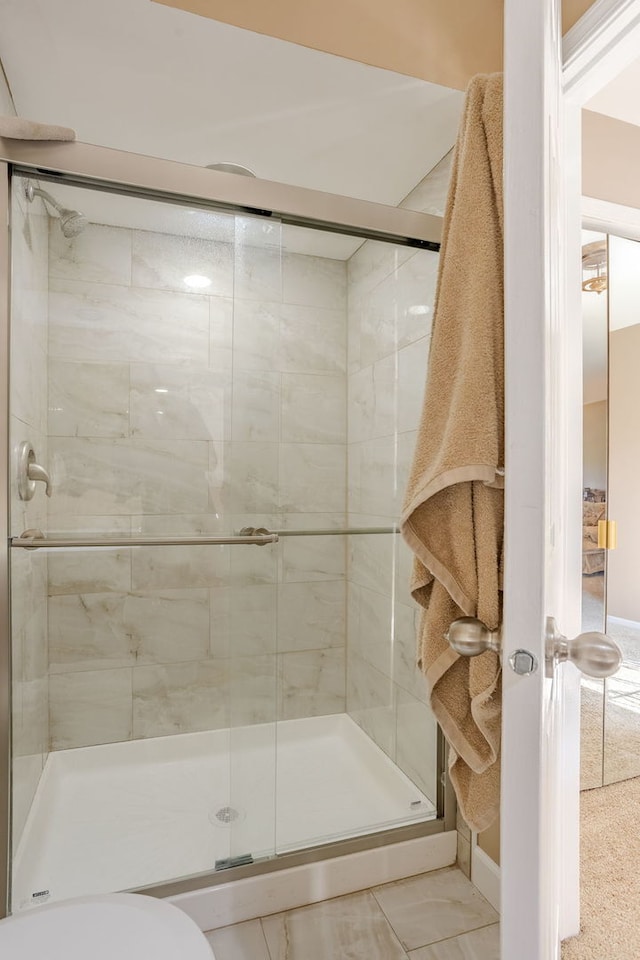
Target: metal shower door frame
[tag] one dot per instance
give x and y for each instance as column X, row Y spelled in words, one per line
column 169, row 181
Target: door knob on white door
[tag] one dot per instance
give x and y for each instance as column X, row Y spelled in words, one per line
column 470, row 637
column 594, row 654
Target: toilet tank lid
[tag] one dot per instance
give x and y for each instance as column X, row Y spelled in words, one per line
column 121, row 926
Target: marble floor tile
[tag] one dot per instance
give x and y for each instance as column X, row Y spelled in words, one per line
column 483, row 944
column 433, row 907
column 352, row 926
column 242, row 941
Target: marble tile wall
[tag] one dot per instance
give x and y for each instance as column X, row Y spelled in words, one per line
column 390, row 294
column 390, row 302
column 28, row 421
column 175, row 413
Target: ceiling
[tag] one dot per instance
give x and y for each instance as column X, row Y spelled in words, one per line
column 143, row 77
column 619, row 99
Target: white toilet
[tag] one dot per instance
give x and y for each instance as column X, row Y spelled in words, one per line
column 119, row 926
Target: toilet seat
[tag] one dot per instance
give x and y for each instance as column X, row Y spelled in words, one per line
column 120, row 926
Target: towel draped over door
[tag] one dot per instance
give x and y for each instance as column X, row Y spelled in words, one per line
column 454, row 511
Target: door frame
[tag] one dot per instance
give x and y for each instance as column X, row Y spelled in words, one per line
column 170, row 181
column 599, row 46
column 547, row 81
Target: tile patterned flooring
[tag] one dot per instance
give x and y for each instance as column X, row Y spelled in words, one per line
column 435, row 916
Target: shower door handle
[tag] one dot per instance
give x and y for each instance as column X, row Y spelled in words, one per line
column 29, row 472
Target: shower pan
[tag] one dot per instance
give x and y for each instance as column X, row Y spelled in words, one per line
column 212, row 663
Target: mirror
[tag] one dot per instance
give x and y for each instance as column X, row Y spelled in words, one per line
column 611, row 518
column 594, row 558
column 621, row 754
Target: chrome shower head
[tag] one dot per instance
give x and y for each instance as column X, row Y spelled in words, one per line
column 72, row 222
column 228, row 167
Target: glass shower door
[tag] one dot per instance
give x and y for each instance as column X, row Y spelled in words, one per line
column 190, row 697
column 143, row 638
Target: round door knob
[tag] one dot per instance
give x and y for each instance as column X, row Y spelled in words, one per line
column 594, row 654
column 470, row 637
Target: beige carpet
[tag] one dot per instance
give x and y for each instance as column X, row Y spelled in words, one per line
column 610, row 738
column 610, row 875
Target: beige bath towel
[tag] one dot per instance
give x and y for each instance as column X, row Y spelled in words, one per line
column 15, row 128
column 453, row 514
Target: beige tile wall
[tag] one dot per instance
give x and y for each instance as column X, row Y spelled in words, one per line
column 173, row 412
column 391, row 293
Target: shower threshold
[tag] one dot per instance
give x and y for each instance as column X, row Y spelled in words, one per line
column 125, row 815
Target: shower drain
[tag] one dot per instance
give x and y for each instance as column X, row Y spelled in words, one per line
column 225, row 815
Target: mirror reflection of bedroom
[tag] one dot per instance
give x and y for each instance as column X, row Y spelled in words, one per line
column 610, row 748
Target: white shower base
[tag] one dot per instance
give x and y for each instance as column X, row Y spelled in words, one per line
column 127, row 815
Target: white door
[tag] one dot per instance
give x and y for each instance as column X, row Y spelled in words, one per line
column 535, row 547
column 540, row 792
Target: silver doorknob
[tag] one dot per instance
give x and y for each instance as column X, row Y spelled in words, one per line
column 470, row 637
column 594, row 654
column 29, row 471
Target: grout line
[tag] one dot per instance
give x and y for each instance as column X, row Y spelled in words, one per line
column 432, row 943
column 266, row 942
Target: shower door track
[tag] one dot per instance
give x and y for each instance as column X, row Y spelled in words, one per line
column 169, row 181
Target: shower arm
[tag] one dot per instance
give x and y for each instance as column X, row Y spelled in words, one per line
column 32, row 192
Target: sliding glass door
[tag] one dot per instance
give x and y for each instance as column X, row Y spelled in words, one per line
column 212, row 415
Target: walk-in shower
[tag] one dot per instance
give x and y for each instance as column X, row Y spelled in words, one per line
column 212, row 636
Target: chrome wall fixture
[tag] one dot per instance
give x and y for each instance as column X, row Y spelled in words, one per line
column 72, row 222
column 29, row 472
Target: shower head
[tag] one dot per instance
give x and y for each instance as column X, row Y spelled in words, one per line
column 72, row 222
column 228, row 167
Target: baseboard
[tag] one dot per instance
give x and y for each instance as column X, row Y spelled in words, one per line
column 485, row 875
column 259, row 896
column 624, row 623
